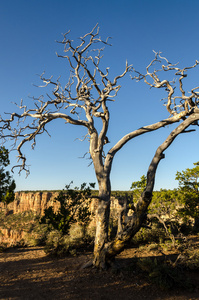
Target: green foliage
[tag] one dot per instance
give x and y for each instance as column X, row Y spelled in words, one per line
column 165, row 274
column 172, row 210
column 164, row 212
column 7, row 185
column 154, row 234
column 4, row 159
column 189, row 178
column 138, row 187
column 188, row 193
column 160, row 217
column 190, row 201
column 163, row 202
column 74, row 242
column 37, row 234
column 190, row 258
column 62, row 232
column 139, row 184
column 74, row 207
column 68, row 226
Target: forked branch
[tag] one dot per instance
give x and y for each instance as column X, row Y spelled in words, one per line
column 182, row 103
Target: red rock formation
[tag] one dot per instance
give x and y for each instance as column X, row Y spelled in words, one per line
column 39, row 201
column 36, row 202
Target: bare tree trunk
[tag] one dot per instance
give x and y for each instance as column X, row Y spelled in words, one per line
column 105, row 251
column 125, row 235
column 102, row 222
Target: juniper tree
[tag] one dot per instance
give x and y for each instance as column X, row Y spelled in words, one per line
column 188, row 193
column 7, row 184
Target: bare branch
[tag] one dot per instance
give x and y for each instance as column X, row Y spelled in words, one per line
column 159, row 152
column 186, row 102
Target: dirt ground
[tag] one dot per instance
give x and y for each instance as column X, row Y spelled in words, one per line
column 27, row 273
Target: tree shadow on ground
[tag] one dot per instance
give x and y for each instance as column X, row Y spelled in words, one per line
column 36, row 276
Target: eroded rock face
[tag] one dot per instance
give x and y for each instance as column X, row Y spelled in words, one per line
column 10, row 236
column 39, row 201
column 36, row 202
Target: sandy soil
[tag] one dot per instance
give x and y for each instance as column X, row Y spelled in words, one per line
column 27, row 273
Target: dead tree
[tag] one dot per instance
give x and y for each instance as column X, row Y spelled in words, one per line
column 85, row 98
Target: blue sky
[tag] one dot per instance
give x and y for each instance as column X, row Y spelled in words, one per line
column 28, row 33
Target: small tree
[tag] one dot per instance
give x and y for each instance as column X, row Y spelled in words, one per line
column 138, row 187
column 188, row 193
column 7, row 184
column 74, row 207
column 162, row 209
column 84, row 101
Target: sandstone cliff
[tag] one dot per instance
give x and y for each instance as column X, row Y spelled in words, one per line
column 36, row 202
column 39, row 201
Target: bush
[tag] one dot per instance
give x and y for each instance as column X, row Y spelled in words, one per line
column 74, row 207
column 150, row 235
column 190, row 259
column 164, row 274
column 7, row 184
column 74, row 242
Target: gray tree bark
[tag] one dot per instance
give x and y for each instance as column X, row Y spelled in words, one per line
column 84, row 101
column 104, row 255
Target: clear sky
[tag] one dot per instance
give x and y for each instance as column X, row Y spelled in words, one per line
column 28, row 33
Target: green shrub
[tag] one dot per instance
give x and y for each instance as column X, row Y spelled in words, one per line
column 190, row 258
column 7, row 184
column 37, row 234
column 58, row 244
column 164, row 274
column 64, row 232
column 74, row 207
column 150, row 235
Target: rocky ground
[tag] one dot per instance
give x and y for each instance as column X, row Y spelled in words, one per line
column 27, row 273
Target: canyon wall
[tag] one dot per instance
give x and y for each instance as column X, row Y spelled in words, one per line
column 39, row 201
column 33, row 201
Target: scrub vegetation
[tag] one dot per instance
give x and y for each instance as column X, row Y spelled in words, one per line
column 170, row 229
